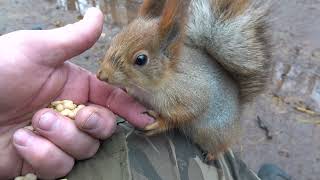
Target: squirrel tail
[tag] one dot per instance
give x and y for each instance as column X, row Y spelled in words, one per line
column 234, row 33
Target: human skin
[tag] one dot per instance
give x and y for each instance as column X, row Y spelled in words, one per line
column 34, row 72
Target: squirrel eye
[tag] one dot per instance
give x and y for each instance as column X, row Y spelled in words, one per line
column 141, row 60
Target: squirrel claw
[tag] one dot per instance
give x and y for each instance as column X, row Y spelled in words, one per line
column 156, row 124
column 151, row 113
column 209, row 157
column 152, row 126
column 152, row 132
column 157, row 127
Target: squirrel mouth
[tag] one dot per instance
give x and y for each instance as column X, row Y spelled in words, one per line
column 124, row 89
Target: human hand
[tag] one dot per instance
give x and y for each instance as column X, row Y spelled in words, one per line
column 33, row 73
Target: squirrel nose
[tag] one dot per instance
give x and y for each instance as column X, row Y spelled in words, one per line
column 102, row 76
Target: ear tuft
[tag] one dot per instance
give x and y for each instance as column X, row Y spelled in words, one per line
column 172, row 24
column 152, row 8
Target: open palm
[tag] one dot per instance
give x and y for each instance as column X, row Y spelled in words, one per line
column 33, row 73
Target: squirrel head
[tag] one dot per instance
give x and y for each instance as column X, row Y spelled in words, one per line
column 145, row 52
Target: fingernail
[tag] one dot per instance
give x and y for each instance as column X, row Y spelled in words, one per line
column 47, row 121
column 150, row 119
column 21, row 137
column 92, row 122
column 90, row 11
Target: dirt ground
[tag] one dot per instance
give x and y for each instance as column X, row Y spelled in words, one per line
column 290, row 107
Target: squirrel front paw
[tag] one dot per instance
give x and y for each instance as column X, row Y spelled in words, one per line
column 157, row 127
column 209, row 157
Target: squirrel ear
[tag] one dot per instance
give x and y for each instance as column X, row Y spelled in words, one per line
column 151, row 8
column 172, row 22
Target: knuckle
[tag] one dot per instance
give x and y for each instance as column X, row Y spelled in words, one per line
column 44, row 157
column 48, row 159
column 116, row 92
column 59, row 171
column 89, row 151
column 64, row 169
column 110, row 129
column 82, row 115
column 8, row 169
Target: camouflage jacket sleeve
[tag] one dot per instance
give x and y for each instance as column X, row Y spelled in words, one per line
column 128, row 154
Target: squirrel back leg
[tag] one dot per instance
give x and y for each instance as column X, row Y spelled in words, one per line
column 218, row 128
column 213, row 141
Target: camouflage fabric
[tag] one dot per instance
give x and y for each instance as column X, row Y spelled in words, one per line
column 128, row 154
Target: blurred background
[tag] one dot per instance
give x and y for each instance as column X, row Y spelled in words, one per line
column 282, row 126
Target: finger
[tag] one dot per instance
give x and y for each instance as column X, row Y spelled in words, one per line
column 118, row 102
column 46, row 159
column 76, row 86
column 63, row 132
column 96, row 121
column 53, row 47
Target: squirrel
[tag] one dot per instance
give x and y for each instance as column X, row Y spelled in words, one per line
column 193, row 64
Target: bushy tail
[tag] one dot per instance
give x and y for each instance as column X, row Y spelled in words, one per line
column 234, row 33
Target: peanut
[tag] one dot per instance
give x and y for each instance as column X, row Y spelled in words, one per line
column 19, row 178
column 78, row 108
column 66, row 112
column 67, row 104
column 60, row 107
column 72, row 114
column 30, row 176
column 67, row 101
column 66, row 108
column 29, row 127
column 55, row 103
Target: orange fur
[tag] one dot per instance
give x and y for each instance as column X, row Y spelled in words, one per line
column 179, row 82
column 151, row 8
column 169, row 16
column 173, row 18
column 180, row 114
column 173, row 15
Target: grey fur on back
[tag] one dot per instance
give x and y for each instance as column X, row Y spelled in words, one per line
column 238, row 43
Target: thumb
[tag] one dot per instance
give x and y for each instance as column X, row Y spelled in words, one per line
column 53, row 47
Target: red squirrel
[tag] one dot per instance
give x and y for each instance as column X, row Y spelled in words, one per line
column 193, row 63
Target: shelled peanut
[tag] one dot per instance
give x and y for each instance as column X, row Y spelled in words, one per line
column 29, row 127
column 29, row 176
column 66, row 108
